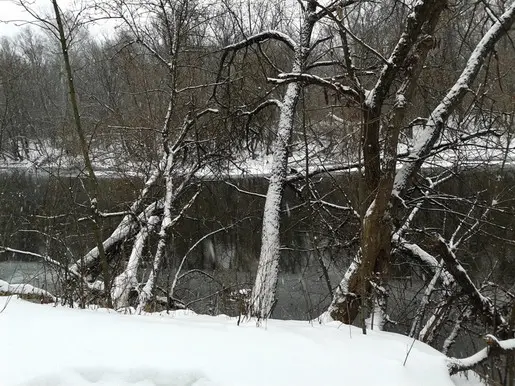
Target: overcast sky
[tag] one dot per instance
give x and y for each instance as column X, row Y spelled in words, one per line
column 9, row 11
column 13, row 17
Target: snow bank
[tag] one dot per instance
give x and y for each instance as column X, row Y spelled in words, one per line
column 46, row 345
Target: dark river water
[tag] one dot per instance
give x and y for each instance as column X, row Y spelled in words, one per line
column 40, row 212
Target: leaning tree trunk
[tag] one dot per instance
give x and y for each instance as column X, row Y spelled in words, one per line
column 263, row 294
column 166, row 224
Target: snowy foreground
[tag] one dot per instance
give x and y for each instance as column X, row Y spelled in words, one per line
column 47, row 345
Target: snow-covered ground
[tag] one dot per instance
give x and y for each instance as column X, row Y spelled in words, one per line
column 58, row 346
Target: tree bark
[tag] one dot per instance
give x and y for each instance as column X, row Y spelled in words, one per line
column 384, row 185
column 263, row 294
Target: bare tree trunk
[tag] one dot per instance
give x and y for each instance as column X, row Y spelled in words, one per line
column 93, row 195
column 263, row 295
column 166, row 223
column 377, row 229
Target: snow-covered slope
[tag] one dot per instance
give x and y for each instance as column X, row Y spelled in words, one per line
column 47, row 345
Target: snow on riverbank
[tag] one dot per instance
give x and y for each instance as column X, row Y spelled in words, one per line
column 57, row 346
column 467, row 151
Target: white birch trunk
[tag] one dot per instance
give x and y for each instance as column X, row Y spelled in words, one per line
column 451, row 339
column 124, row 230
column 25, row 289
column 343, row 288
column 424, row 302
column 166, row 224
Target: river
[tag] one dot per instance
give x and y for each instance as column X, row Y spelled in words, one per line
column 39, row 212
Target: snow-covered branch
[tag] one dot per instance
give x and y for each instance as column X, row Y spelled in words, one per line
column 245, row 191
column 94, row 286
column 424, row 302
column 44, row 258
column 450, row 340
column 441, row 113
column 261, row 37
column 126, row 228
column 317, row 80
column 482, row 304
column 321, row 170
column 257, row 38
column 425, row 257
column 494, row 348
column 261, row 106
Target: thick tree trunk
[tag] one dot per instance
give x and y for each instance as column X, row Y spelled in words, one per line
column 377, row 229
column 371, row 265
column 376, row 224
